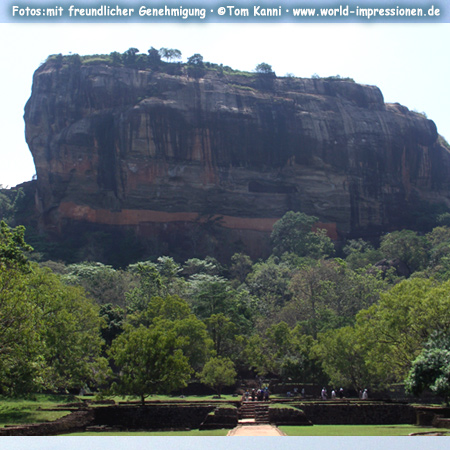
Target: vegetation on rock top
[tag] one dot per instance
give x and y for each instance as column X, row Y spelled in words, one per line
column 168, row 61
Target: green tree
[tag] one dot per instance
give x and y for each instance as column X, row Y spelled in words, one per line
column 263, row 68
column 293, row 233
column 195, row 60
column 195, row 341
column 407, row 246
column 360, row 254
column 241, row 266
column 439, row 252
column 169, row 53
column 269, row 284
column 171, row 308
column 150, row 284
column 431, row 369
column 174, row 313
column 70, row 339
column 13, row 246
column 217, row 373
column 222, row 331
column 307, row 366
column 328, row 294
column 154, row 57
column 395, row 329
column 343, row 358
column 116, row 58
column 312, row 289
column 255, row 355
column 129, row 57
column 282, row 357
column 10, row 203
column 170, row 271
column 150, row 362
column 285, row 353
column 209, row 295
column 103, row 283
column 19, row 338
column 195, row 66
column 50, row 333
column 113, row 317
column 444, row 219
column 207, row 266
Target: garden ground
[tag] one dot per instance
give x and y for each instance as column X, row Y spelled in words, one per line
column 315, row 430
column 37, row 409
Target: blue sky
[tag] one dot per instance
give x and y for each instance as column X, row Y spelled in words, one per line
column 408, row 62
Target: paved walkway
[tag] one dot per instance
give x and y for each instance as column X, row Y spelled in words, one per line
column 255, row 430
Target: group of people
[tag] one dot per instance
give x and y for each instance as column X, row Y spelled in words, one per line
column 262, row 394
column 364, row 395
column 324, row 394
column 259, row 395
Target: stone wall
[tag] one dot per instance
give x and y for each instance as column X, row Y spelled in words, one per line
column 221, row 418
column 328, row 413
column 288, row 416
column 76, row 421
column 210, row 416
column 153, row 417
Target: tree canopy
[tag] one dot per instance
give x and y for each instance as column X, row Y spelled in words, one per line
column 300, row 315
column 263, row 68
column 431, row 369
column 150, row 361
column 219, row 372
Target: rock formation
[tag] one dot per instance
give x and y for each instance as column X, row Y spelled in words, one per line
column 209, row 162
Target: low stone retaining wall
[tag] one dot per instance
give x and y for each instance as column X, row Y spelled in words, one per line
column 152, row 417
column 73, row 422
column 210, row 416
column 369, row 413
column 220, row 418
column 433, row 416
column 288, row 416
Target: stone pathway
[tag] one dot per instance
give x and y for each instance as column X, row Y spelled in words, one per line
column 255, row 430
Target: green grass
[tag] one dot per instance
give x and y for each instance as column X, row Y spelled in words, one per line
column 15, row 411
column 315, row 430
column 243, row 87
column 169, row 398
column 358, row 430
column 282, row 406
column 221, row 432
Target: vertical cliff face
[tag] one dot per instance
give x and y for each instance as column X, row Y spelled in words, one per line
column 174, row 157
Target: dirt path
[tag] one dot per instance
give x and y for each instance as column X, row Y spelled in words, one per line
column 255, row 430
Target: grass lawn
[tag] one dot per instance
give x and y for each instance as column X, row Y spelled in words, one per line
column 22, row 411
column 315, row 430
column 221, row 432
column 358, row 430
column 171, row 398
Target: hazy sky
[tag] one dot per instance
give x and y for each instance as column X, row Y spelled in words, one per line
column 408, row 62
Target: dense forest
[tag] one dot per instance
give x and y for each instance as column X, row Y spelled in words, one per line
column 376, row 315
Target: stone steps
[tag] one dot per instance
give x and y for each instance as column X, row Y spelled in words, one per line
column 254, row 412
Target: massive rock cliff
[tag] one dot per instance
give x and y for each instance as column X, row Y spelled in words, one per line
column 209, row 162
